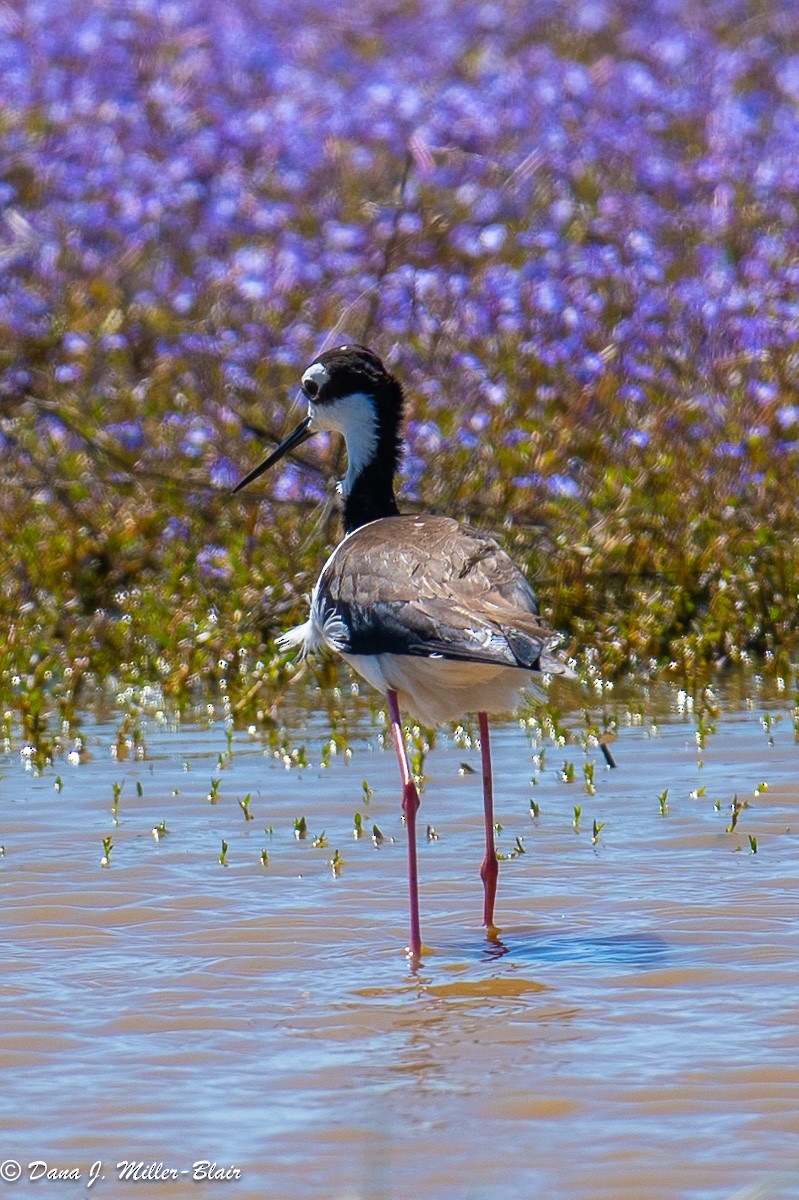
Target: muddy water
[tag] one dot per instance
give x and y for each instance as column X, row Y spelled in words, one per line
column 633, row 1031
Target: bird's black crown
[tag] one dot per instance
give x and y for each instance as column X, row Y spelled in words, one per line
column 351, row 369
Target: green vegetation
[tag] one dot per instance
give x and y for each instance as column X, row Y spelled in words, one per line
column 581, row 269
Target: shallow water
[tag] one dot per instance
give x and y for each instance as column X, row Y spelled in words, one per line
column 631, row 1032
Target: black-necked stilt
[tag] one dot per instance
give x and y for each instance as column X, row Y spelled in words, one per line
column 432, row 613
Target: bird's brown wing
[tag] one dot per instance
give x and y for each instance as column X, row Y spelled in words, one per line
column 429, row 586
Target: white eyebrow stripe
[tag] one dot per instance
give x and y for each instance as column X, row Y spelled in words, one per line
column 318, row 374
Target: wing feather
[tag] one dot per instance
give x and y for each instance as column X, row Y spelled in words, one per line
column 429, row 586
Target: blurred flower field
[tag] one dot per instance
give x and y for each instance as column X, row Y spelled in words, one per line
column 570, row 226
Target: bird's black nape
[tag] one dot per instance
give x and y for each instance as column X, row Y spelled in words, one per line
column 352, row 369
column 353, row 373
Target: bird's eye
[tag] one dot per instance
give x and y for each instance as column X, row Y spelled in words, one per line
column 311, row 388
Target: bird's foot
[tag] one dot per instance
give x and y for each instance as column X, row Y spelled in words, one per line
column 489, row 872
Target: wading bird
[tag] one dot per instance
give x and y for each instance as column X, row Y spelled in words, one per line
column 432, row 613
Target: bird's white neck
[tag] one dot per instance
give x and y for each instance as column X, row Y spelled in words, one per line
column 354, row 417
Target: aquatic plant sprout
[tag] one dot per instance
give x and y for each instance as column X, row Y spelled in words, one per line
column 572, row 228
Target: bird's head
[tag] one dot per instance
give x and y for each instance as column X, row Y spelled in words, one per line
column 350, row 392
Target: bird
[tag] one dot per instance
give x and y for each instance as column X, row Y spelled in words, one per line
column 431, row 612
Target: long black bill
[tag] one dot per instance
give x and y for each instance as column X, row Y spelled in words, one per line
column 300, row 435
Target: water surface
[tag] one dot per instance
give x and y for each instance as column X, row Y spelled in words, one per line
column 631, row 1032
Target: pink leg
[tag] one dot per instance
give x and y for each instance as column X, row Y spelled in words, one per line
column 410, row 803
column 490, row 867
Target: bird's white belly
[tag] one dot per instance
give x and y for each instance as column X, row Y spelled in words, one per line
column 436, row 690
column 432, row 689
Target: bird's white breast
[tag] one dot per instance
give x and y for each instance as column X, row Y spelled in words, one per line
column 435, row 690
